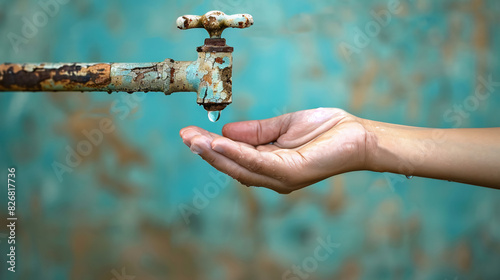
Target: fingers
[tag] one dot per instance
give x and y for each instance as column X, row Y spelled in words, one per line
column 200, row 140
column 257, row 132
column 189, row 132
column 260, row 162
column 267, row 148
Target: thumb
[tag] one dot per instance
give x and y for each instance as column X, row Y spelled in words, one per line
column 257, row 132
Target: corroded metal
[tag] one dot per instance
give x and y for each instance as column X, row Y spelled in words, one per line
column 214, row 77
column 54, row 77
column 128, row 77
column 215, row 45
column 215, row 22
column 209, row 76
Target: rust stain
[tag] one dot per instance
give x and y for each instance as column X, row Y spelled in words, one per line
column 463, row 256
column 481, row 28
column 335, row 200
column 361, row 87
column 480, row 35
column 227, row 83
column 211, row 20
column 219, row 60
column 69, row 77
column 172, row 73
column 186, row 22
column 104, row 73
column 350, row 269
column 141, row 71
column 208, row 78
column 116, row 185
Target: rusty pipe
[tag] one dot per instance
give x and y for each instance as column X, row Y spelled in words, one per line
column 209, row 75
column 108, row 77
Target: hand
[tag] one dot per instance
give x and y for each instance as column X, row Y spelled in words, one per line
column 284, row 153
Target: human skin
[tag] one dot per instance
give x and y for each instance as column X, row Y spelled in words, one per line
column 295, row 150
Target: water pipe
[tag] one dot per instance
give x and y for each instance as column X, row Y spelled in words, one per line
column 210, row 75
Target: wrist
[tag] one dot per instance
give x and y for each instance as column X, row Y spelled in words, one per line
column 371, row 145
column 381, row 146
column 395, row 148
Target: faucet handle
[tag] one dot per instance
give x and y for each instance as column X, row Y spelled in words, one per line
column 214, row 22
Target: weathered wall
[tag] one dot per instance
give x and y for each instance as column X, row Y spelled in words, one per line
column 117, row 212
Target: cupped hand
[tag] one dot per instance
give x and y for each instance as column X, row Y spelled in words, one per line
column 284, row 153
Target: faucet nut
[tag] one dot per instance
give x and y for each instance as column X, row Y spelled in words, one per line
column 215, row 45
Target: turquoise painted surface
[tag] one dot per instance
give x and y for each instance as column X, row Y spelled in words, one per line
column 119, row 212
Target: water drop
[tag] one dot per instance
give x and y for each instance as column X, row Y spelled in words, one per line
column 409, row 176
column 213, row 116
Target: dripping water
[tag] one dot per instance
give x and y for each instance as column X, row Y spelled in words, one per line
column 213, row 116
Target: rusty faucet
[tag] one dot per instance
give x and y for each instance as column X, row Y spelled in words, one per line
column 209, row 75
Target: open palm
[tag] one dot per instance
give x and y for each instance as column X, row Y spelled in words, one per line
column 284, row 153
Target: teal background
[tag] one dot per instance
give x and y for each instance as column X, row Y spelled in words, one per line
column 119, row 213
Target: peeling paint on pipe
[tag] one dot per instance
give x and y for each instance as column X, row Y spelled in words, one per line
column 128, row 77
column 209, row 76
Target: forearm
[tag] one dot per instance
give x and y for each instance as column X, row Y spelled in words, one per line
column 463, row 155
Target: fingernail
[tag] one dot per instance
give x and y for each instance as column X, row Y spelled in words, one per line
column 199, row 144
column 218, row 148
column 195, row 149
column 185, row 143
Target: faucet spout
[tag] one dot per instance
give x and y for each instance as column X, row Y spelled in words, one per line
column 214, row 73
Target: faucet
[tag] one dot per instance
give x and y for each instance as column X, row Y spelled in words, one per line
column 209, row 75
